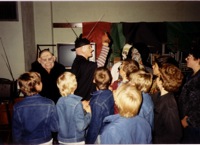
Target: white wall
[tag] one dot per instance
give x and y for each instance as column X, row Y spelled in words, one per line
column 11, row 34
column 46, row 13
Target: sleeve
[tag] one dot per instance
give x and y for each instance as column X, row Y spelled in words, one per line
column 82, row 121
column 95, row 124
column 16, row 127
column 103, row 56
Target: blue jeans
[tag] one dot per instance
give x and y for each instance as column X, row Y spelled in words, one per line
column 191, row 135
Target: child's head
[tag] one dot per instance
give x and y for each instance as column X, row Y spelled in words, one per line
column 142, row 80
column 30, row 83
column 171, row 77
column 128, row 100
column 67, row 83
column 128, row 66
column 102, row 78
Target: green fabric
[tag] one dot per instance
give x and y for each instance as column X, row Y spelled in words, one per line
column 118, row 40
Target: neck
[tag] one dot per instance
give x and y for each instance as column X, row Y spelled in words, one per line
column 196, row 69
column 163, row 92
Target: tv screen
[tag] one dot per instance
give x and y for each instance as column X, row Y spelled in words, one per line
column 66, row 56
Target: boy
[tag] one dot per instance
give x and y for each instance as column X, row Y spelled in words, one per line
column 143, row 81
column 102, row 103
column 73, row 120
column 126, row 127
column 35, row 117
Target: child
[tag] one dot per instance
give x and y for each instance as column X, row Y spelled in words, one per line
column 167, row 124
column 35, row 117
column 73, row 120
column 126, row 127
column 126, row 68
column 102, row 103
column 143, row 81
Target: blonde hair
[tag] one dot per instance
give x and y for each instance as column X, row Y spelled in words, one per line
column 128, row 100
column 142, row 80
column 27, row 83
column 67, row 83
column 103, row 78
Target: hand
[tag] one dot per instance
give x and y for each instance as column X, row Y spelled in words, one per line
column 184, row 122
column 105, row 39
column 86, row 106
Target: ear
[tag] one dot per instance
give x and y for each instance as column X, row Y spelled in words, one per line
column 39, row 59
column 94, row 81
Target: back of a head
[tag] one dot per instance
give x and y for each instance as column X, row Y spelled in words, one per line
column 130, row 66
column 102, row 78
column 128, row 100
column 27, row 83
column 67, row 83
column 142, row 80
column 171, row 77
column 166, row 59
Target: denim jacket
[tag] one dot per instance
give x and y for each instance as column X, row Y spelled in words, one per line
column 102, row 105
column 121, row 130
column 147, row 109
column 72, row 120
column 34, row 118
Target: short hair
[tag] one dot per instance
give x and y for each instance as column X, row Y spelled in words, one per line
column 165, row 59
column 171, row 77
column 103, row 78
column 27, row 83
column 142, row 80
column 195, row 52
column 67, row 83
column 128, row 100
column 130, row 66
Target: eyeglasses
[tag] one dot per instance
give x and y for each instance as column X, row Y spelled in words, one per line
column 47, row 60
column 188, row 57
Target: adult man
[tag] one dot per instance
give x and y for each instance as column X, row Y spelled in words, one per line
column 83, row 68
column 49, row 70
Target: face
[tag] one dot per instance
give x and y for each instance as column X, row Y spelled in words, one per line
column 191, row 61
column 47, row 60
column 87, row 50
column 159, row 82
column 155, row 69
column 136, row 55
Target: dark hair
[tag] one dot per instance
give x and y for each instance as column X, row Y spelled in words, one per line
column 44, row 50
column 166, row 59
column 195, row 52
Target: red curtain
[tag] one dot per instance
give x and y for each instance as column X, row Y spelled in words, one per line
column 94, row 32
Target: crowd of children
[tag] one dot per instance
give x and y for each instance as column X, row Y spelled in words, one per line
column 137, row 108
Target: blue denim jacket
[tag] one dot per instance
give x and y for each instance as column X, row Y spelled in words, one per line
column 102, row 105
column 34, row 118
column 147, row 109
column 72, row 119
column 121, row 130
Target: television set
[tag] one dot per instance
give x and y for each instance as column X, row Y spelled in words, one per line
column 66, row 56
